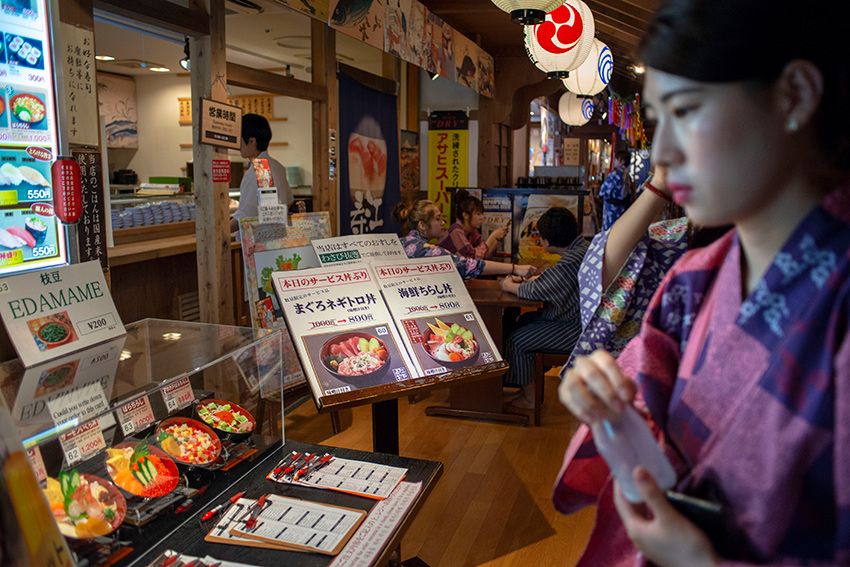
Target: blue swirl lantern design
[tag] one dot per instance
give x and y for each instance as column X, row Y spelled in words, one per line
column 594, row 74
column 571, row 109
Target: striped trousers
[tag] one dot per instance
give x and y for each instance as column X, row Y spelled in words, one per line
column 535, row 335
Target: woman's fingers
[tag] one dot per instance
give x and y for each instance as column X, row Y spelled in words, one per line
column 606, row 364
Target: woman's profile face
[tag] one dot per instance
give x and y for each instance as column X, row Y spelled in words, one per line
column 436, row 226
column 725, row 145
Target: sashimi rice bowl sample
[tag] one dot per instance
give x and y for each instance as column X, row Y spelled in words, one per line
column 85, row 506
column 355, row 354
column 141, row 470
column 449, row 343
column 188, row 441
column 232, row 420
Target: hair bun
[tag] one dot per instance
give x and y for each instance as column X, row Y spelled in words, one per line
column 401, row 212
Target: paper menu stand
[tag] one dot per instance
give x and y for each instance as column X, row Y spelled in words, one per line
column 358, row 247
column 343, row 331
column 435, row 315
column 54, row 312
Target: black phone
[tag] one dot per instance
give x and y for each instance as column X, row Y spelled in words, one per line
column 710, row 517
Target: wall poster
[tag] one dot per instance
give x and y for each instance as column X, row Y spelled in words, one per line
column 369, row 179
column 361, row 19
column 448, row 155
column 117, row 104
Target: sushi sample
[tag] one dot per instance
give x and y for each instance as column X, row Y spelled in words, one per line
column 22, row 234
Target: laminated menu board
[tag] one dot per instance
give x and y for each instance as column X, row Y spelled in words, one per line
column 343, row 332
column 358, row 247
column 435, row 315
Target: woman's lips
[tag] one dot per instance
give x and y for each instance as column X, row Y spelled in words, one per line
column 681, row 193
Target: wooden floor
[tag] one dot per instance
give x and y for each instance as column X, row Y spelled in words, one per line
column 492, row 505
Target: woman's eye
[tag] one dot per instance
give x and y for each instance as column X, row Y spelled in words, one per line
column 682, row 111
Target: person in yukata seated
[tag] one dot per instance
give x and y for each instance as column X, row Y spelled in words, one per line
column 423, row 221
column 616, row 190
column 464, row 236
column 742, row 363
column 556, row 326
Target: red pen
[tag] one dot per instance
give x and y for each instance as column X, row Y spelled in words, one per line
column 314, row 466
column 255, row 512
column 211, row 513
column 291, row 458
column 294, row 466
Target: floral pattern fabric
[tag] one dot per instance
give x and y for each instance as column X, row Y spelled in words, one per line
column 417, row 247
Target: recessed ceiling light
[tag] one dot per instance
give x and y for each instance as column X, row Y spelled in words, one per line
column 104, row 58
column 639, row 69
column 160, row 69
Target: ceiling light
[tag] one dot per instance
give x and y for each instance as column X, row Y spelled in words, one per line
column 185, row 62
column 434, row 76
column 171, row 336
column 639, row 69
column 104, row 58
column 160, row 69
column 527, row 12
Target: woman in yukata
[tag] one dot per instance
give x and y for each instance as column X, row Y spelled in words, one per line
column 742, row 363
column 464, row 236
column 423, row 221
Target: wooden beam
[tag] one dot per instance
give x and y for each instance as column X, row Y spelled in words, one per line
column 192, row 22
column 256, row 79
column 212, row 224
column 375, row 82
column 325, row 121
column 77, row 12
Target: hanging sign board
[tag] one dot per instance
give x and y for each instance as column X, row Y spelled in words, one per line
column 221, row 124
column 54, row 312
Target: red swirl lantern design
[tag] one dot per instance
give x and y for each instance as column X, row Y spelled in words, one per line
column 562, row 42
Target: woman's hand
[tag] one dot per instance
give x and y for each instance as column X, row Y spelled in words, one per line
column 595, row 388
column 524, row 270
column 659, row 179
column 500, row 233
column 661, row 533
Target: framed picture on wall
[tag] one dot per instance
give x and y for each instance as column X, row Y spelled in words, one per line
column 117, row 101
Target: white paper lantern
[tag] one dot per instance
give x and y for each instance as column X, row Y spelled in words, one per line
column 594, row 74
column 575, row 110
column 563, row 41
column 527, row 12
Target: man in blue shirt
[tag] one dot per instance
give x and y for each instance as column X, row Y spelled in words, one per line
column 616, row 190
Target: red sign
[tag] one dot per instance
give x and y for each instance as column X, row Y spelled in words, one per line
column 42, row 154
column 42, row 209
column 67, row 189
column 221, row 171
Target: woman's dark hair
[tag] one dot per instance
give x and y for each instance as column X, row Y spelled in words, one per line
column 409, row 215
column 722, row 41
column 558, row 225
column 466, row 203
column 624, row 156
column 257, row 127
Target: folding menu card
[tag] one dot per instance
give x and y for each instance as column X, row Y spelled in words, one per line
column 358, row 248
column 343, row 332
column 435, row 314
column 58, row 311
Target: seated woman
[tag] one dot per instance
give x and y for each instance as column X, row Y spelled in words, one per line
column 557, row 325
column 743, row 357
column 464, row 236
column 423, row 221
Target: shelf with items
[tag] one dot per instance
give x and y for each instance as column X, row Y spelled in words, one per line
column 136, row 413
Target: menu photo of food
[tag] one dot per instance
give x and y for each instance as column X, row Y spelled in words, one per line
column 27, row 108
column 27, row 9
column 23, row 51
column 448, row 342
column 57, row 378
column 52, row 331
column 26, row 236
column 355, row 359
column 266, row 262
column 4, row 116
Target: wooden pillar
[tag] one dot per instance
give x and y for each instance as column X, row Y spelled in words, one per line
column 212, row 223
column 487, row 173
column 412, row 101
column 325, row 121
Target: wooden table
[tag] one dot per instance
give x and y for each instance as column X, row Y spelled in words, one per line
column 484, row 399
column 189, row 537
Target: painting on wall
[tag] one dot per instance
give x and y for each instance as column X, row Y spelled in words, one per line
column 416, row 43
column 394, row 28
column 466, row 61
column 117, row 100
column 361, row 19
column 314, row 8
column 441, row 58
column 409, row 166
column 486, row 74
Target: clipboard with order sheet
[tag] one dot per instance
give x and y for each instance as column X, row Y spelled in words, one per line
column 287, row 524
column 360, row 478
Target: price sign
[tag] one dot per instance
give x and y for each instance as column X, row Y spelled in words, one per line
column 178, row 394
column 135, row 415
column 221, row 170
column 83, row 442
column 37, row 464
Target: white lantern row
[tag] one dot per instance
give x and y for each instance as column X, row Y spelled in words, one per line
column 575, row 110
column 562, row 42
column 527, row 12
column 592, row 76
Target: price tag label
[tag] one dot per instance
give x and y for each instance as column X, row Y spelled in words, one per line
column 135, row 415
column 178, row 394
column 37, row 464
column 83, row 442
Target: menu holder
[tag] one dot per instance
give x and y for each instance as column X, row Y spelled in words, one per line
column 288, row 524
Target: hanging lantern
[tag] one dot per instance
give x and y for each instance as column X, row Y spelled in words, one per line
column 594, row 74
column 527, row 12
column 563, row 41
column 575, row 110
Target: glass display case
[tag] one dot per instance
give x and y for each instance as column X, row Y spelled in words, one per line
column 129, row 211
column 129, row 436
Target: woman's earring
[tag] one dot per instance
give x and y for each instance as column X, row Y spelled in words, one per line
column 792, row 125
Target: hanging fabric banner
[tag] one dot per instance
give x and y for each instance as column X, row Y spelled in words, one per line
column 448, row 156
column 368, row 161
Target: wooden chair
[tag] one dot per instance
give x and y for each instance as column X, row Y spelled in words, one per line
column 556, row 359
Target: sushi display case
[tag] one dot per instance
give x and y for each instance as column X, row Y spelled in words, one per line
column 129, row 438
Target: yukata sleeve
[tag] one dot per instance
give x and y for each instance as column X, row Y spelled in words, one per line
column 459, row 244
column 612, row 186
